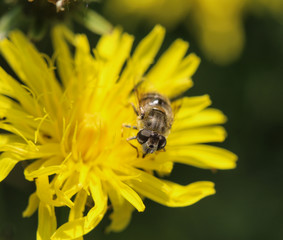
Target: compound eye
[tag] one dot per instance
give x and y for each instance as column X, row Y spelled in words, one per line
column 162, row 142
column 143, row 136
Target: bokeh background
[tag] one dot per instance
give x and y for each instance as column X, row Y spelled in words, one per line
column 245, row 81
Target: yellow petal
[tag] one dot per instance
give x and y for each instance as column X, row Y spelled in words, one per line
column 202, row 156
column 108, row 44
column 85, row 70
column 171, row 75
column 24, row 132
column 59, row 180
column 8, row 139
column 98, row 193
column 122, row 211
column 147, row 49
column 162, row 71
column 191, row 105
column 7, row 163
column 70, row 230
column 43, row 167
column 82, row 226
column 188, row 67
column 112, row 51
column 133, row 198
column 196, row 135
column 64, row 60
column 182, row 196
column 43, row 190
column 127, row 192
column 33, row 204
column 31, row 151
column 180, row 86
column 79, row 206
column 142, row 58
column 160, row 165
column 28, row 64
column 204, row 118
column 10, row 110
column 73, row 184
column 13, row 56
column 10, row 87
column 121, row 54
column 83, row 175
column 46, row 221
column 171, row 194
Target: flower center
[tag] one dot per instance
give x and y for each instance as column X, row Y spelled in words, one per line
column 91, row 137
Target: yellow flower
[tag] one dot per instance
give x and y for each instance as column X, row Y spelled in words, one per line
column 71, row 131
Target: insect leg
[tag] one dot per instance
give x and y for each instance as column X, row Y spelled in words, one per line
column 135, row 110
column 132, row 138
column 127, row 126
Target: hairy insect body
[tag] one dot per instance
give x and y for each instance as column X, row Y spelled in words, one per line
column 155, row 113
column 155, row 119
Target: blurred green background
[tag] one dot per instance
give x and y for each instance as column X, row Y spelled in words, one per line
column 248, row 203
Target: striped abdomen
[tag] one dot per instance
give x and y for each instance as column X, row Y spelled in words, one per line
column 155, row 113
